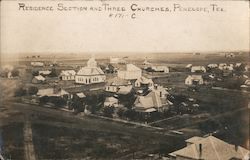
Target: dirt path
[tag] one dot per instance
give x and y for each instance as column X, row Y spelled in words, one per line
column 28, row 142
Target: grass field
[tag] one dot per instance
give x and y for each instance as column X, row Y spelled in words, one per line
column 98, row 139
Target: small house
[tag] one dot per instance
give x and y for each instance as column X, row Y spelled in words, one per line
column 198, row 69
column 44, row 72
column 144, row 82
column 213, row 65
column 67, row 75
column 194, row 80
column 38, row 79
column 52, row 92
column 155, row 100
column 115, row 84
column 209, row 148
column 37, row 64
column 164, row 69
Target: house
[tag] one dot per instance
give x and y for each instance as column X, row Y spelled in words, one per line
column 164, row 69
column 38, row 79
column 143, row 81
column 247, row 67
column 155, row 100
column 213, row 65
column 116, row 60
column 146, row 63
column 37, row 64
column 111, row 102
column 44, row 73
column 51, row 92
column 67, row 75
column 198, row 69
column 189, row 65
column 247, row 82
column 224, row 66
column 209, row 148
column 90, row 74
column 130, row 72
column 9, row 75
column 194, row 80
column 115, row 84
column 229, row 55
column 80, row 95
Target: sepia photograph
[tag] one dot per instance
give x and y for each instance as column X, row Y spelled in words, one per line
column 124, row 80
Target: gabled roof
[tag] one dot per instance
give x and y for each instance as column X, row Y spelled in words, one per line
column 111, row 99
column 80, row 95
column 124, row 89
column 88, row 71
column 131, row 67
column 212, row 148
column 195, row 77
column 40, row 78
column 144, row 80
column 118, row 82
column 198, row 67
column 51, row 92
column 45, row 72
column 68, row 73
column 149, row 101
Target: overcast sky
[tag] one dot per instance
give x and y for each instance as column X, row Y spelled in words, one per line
column 74, row 32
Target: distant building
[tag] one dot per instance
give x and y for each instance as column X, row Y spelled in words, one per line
column 90, row 74
column 38, row 79
column 116, row 84
column 189, row 65
column 67, row 75
column 51, row 92
column 194, row 80
column 209, row 148
column 164, row 69
column 230, row 55
column 198, row 69
column 44, row 73
column 224, row 66
column 130, row 72
column 155, row 100
column 213, row 65
column 146, row 63
column 143, row 81
column 116, row 60
column 37, row 64
column 9, row 75
column 247, row 68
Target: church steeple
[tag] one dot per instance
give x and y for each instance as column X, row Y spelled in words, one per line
column 92, row 62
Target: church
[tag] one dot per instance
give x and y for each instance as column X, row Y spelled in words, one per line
column 90, row 74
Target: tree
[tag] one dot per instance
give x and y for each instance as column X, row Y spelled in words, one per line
column 44, row 100
column 53, row 73
column 120, row 112
column 15, row 72
column 20, row 92
column 35, row 73
column 32, row 90
column 108, row 111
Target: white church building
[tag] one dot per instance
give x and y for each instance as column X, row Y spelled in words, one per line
column 90, row 74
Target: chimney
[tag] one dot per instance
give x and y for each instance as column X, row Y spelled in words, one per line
column 200, row 150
